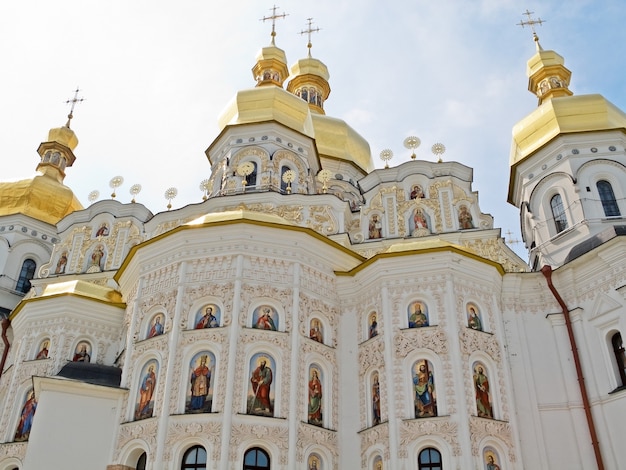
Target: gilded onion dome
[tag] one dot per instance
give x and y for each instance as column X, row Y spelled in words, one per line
column 559, row 112
column 309, row 81
column 45, row 197
column 270, row 67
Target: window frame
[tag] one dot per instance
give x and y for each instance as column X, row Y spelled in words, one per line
column 27, row 274
column 559, row 216
column 430, row 465
column 607, row 198
column 256, row 465
column 184, row 465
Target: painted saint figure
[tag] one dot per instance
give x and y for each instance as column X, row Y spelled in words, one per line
column 82, row 353
column 373, row 328
column 61, row 263
column 43, row 352
column 375, row 401
column 26, row 417
column 417, row 192
column 465, row 218
column 375, row 228
column 315, row 333
column 483, row 399
column 424, row 386
column 314, row 463
column 418, row 317
column 200, row 385
column 146, row 391
column 420, row 219
column 315, row 398
column 473, row 320
column 97, row 257
column 491, row 463
column 208, row 320
column 265, row 321
column 103, row 231
column 261, row 380
column 157, row 327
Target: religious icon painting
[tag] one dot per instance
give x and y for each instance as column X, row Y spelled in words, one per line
column 144, row 405
column 474, row 319
column 315, row 395
column 316, row 330
column 418, row 315
column 260, row 391
column 491, row 459
column 378, row 463
column 82, row 353
column 376, row 408
column 103, row 230
column 96, row 259
column 314, row 462
column 372, row 322
column 27, row 414
column 424, row 393
column 484, row 407
column 200, row 391
column 156, row 326
column 208, row 316
column 265, row 318
column 42, row 351
column 61, row 263
column 419, row 223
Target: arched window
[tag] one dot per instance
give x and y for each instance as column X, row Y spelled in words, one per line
column 558, row 213
column 620, row 357
column 429, row 459
column 607, row 197
column 141, row 462
column 194, row 458
column 26, row 274
column 256, row 459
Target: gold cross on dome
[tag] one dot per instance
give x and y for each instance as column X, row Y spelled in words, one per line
column 308, row 31
column 531, row 22
column 73, row 101
column 274, row 17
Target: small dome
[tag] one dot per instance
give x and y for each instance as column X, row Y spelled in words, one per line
column 336, row 139
column 270, row 67
column 64, row 136
column 42, row 198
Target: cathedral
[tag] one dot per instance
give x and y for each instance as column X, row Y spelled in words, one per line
column 316, row 313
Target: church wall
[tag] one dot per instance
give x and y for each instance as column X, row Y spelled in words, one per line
column 390, row 287
column 239, row 273
column 551, row 416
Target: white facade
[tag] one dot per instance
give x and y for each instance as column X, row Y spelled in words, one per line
column 389, row 291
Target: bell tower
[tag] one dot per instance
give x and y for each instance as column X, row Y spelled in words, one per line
column 568, row 166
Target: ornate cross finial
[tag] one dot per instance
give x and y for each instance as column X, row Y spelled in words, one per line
column 308, row 31
column 531, row 22
column 274, row 17
column 73, row 101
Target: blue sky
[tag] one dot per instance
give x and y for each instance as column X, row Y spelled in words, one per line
column 156, row 74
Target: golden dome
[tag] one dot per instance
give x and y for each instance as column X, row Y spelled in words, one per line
column 337, row 140
column 42, row 198
column 268, row 103
column 64, row 136
column 271, row 66
column 309, row 81
column 45, row 197
column 563, row 115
